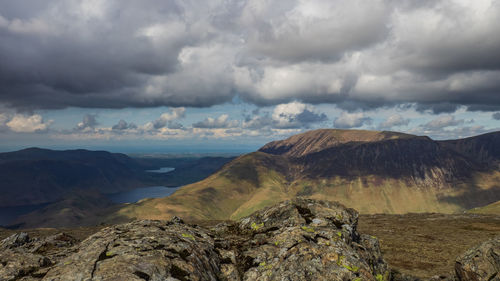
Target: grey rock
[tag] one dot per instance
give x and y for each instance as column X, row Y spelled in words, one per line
column 304, row 239
column 15, row 240
column 300, row 239
column 480, row 263
column 142, row 250
column 22, row 258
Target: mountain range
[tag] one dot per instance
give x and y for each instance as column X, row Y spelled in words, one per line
column 50, row 188
column 371, row 171
column 36, row 176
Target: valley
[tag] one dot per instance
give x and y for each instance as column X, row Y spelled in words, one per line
column 425, row 201
column 371, row 171
column 42, row 187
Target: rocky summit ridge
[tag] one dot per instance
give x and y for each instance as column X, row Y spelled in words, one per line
column 299, row 239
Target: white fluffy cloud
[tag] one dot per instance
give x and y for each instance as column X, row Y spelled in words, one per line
column 443, row 122
column 351, row 120
column 394, row 121
column 296, row 115
column 168, row 119
column 293, row 115
column 27, row 124
column 221, row 122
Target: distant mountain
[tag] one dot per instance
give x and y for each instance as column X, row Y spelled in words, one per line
column 493, row 209
column 371, row 171
column 34, row 175
column 319, row 140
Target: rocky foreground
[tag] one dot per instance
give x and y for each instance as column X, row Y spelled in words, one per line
column 300, row 239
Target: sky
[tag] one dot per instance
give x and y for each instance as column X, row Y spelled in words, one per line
column 231, row 75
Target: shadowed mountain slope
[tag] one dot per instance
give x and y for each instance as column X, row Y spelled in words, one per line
column 374, row 172
column 34, row 175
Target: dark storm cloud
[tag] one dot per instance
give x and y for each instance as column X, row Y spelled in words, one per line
column 438, row 108
column 308, row 116
column 439, row 55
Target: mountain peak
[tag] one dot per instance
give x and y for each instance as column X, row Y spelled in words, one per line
column 317, row 140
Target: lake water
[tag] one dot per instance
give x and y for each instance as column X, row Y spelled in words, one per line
column 137, row 194
column 8, row 214
column 161, row 170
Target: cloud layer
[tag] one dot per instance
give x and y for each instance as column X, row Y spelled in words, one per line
column 353, row 53
column 21, row 123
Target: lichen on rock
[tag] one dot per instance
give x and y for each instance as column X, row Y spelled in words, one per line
column 299, row 239
column 480, row 263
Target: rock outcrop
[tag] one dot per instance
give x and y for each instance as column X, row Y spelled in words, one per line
column 23, row 258
column 480, row 263
column 299, row 239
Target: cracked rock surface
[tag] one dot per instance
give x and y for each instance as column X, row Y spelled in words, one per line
column 480, row 263
column 23, row 258
column 300, row 239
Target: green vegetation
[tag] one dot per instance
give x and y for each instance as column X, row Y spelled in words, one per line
column 351, row 268
column 187, row 235
column 308, row 229
column 256, row 227
column 493, row 208
column 265, row 266
column 258, row 180
column 340, row 262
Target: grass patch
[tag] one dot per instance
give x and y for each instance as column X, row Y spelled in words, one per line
column 425, row 245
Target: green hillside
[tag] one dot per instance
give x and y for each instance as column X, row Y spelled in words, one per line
column 373, row 172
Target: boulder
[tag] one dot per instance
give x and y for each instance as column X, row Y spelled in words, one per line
column 480, row 263
column 304, row 239
column 142, row 250
column 300, row 239
column 23, row 258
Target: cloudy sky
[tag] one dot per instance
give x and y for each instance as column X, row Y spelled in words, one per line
column 234, row 74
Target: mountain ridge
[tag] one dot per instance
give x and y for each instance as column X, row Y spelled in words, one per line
column 35, row 175
column 374, row 172
column 320, row 139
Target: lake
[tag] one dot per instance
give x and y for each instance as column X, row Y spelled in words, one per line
column 137, row 194
column 161, row 170
column 9, row 214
